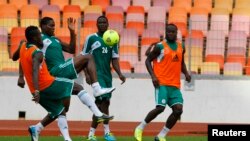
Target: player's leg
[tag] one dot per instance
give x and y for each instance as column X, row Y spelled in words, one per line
column 35, row 130
column 87, row 100
column 94, row 124
column 87, row 61
column 161, row 101
column 175, row 101
column 56, row 100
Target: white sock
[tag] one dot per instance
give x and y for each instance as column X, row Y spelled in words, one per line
column 142, row 125
column 63, row 126
column 39, row 127
column 106, row 128
column 91, row 131
column 88, row 101
column 164, row 132
column 96, row 85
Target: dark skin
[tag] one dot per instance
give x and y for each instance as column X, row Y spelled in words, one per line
column 80, row 62
column 37, row 59
column 103, row 105
column 171, row 36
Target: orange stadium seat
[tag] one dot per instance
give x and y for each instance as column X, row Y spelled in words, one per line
column 144, row 3
column 93, row 9
column 3, row 40
column 84, row 32
column 19, row 3
column 206, row 4
column 210, row 68
column 102, row 3
column 241, row 20
column 123, row 3
column 81, row 3
column 27, row 18
column 199, row 19
column 215, row 42
column 136, row 9
column 149, row 36
column 63, row 34
column 135, row 21
column 233, row 69
column 39, row 3
column 73, row 11
column 129, row 46
column 166, row 4
column 17, row 34
column 224, row 4
column 157, row 26
column 125, row 66
column 129, row 37
column 52, row 11
column 187, row 4
column 8, row 16
column 115, row 17
column 90, row 20
column 242, row 4
column 60, row 3
column 156, row 14
column 194, row 48
column 220, row 20
column 115, row 13
column 216, row 58
column 114, row 10
column 3, row 1
column 128, row 53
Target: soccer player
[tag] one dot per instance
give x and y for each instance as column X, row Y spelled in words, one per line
column 103, row 55
column 168, row 63
column 43, row 86
column 58, row 67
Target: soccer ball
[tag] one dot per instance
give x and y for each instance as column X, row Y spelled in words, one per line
column 110, row 37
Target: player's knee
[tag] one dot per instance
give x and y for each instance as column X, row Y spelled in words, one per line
column 177, row 112
column 88, row 57
column 160, row 109
column 77, row 88
column 66, row 109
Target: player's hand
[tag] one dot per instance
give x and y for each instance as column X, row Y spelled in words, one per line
column 71, row 23
column 122, row 78
column 36, row 97
column 188, row 77
column 21, row 82
column 155, row 82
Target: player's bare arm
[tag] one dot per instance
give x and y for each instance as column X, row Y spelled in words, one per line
column 36, row 61
column 116, row 66
column 152, row 55
column 16, row 56
column 71, row 47
column 21, row 81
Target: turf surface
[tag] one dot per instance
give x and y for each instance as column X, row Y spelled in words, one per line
column 47, row 138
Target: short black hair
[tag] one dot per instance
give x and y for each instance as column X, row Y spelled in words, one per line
column 102, row 16
column 31, row 32
column 45, row 21
column 171, row 24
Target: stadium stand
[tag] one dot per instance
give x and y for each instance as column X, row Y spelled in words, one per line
column 18, row 3
column 214, row 31
column 81, row 3
column 123, row 3
column 8, row 16
column 52, row 11
column 27, row 18
column 60, row 3
column 39, row 3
